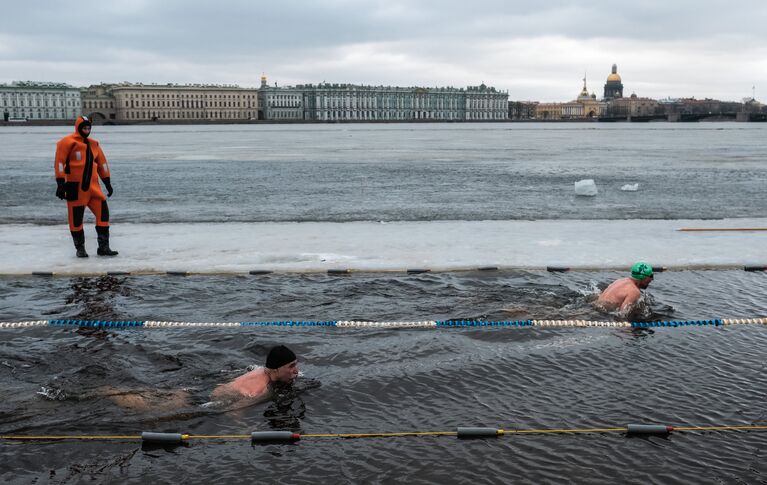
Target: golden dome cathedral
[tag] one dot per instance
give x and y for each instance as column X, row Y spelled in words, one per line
column 614, row 74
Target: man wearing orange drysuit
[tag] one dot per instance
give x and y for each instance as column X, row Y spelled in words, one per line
column 78, row 159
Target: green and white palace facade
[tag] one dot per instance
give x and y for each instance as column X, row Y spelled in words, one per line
column 29, row 100
column 352, row 102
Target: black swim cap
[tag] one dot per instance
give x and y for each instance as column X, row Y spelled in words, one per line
column 279, row 356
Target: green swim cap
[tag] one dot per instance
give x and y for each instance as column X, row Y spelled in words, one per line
column 641, row 270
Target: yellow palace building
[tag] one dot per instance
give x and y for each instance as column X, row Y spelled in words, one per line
column 585, row 106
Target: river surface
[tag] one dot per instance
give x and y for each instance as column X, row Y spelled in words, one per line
column 403, row 172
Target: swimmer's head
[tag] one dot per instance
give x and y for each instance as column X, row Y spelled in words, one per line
column 282, row 363
column 642, row 272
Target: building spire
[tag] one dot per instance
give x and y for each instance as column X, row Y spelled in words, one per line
column 585, row 90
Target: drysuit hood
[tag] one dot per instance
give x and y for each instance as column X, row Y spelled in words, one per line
column 80, row 122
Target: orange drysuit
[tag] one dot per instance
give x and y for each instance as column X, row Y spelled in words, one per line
column 78, row 160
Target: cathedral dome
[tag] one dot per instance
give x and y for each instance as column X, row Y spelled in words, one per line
column 614, row 77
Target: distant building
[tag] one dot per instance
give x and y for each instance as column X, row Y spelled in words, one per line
column 631, row 108
column 98, row 104
column 751, row 105
column 702, row 106
column 184, row 103
column 39, row 101
column 522, row 110
column 634, row 107
column 351, row 102
column 280, row 103
column 548, row 111
column 484, row 103
column 585, row 106
column 137, row 102
column 614, row 85
column 691, row 109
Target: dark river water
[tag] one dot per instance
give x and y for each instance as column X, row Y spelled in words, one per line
column 57, row 380
column 62, row 381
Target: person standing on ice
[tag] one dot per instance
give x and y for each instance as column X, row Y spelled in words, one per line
column 622, row 294
column 77, row 157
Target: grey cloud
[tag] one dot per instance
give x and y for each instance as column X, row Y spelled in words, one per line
column 223, row 28
column 307, row 41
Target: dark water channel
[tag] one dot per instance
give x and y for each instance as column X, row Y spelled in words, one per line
column 368, row 381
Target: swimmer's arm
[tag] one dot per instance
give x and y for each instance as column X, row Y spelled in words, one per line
column 222, row 391
column 629, row 301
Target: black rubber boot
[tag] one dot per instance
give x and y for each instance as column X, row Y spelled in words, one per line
column 79, row 239
column 102, row 233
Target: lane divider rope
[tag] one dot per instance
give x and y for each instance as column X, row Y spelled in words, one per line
column 752, row 266
column 460, row 432
column 367, row 324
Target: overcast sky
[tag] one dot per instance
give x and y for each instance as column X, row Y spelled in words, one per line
column 535, row 50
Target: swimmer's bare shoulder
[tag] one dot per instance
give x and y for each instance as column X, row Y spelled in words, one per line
column 251, row 385
column 620, row 294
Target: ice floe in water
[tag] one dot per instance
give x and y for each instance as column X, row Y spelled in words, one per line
column 586, row 187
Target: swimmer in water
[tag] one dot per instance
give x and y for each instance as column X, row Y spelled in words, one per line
column 624, row 293
column 281, row 367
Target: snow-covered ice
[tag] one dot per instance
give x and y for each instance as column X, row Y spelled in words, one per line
column 438, row 245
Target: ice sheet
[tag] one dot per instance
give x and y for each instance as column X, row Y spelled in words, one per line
column 436, row 245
